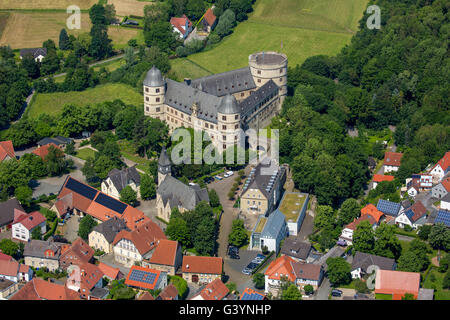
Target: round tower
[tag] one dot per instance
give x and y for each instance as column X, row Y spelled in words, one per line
column 154, row 92
column 228, row 122
column 270, row 65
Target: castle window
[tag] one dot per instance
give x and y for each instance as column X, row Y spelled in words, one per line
column 206, row 125
column 259, row 71
column 224, row 146
column 158, row 109
column 224, row 127
column 176, row 113
column 182, row 117
column 236, row 126
column 259, row 80
column 146, row 109
column 157, row 90
column 146, row 99
column 224, row 118
column 281, row 79
column 242, row 94
column 236, row 117
column 146, row 89
column 157, row 99
column 281, row 70
column 224, row 138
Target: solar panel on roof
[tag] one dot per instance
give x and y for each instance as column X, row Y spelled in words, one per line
column 443, row 216
column 82, row 189
column 143, row 276
column 111, row 203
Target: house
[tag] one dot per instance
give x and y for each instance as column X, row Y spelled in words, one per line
column 182, row 26
column 7, row 288
column 377, row 178
column 119, row 179
column 371, row 163
column 145, row 296
column 445, row 202
column 24, row 224
column 250, row 294
column 7, row 213
column 414, row 216
column 215, row 290
column 389, row 208
column 98, row 294
column 43, row 254
column 172, row 193
column 168, row 293
column 441, row 189
column 423, row 182
column 103, row 234
column 134, row 246
column 296, row 249
column 201, row 270
column 81, row 199
column 166, row 257
column 7, row 150
column 397, row 283
column 39, row 289
column 368, row 213
column 392, row 161
column 38, row 54
column 443, row 216
column 5, row 257
column 362, row 261
column 83, row 278
column 14, row 271
column 293, row 205
column 42, row 151
column 61, row 142
column 263, row 188
column 268, row 232
column 441, row 168
column 146, row 278
column 78, row 253
column 298, row 273
column 110, row 272
column 209, row 20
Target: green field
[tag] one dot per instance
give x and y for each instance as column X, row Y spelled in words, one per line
column 185, row 68
column 439, row 293
column 52, row 103
column 85, row 153
column 305, row 27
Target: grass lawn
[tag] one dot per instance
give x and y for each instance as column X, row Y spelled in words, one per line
column 110, row 65
column 185, row 68
column 381, row 296
column 127, row 151
column 291, row 206
column 85, row 153
column 305, row 27
column 52, row 103
column 439, row 293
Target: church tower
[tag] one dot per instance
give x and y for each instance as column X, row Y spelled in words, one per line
column 164, row 166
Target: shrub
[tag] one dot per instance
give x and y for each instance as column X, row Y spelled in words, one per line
column 408, row 228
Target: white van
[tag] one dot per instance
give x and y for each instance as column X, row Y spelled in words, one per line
column 228, row 174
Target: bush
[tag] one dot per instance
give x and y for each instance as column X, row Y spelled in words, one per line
column 361, row 286
column 309, row 289
column 407, row 228
column 259, row 281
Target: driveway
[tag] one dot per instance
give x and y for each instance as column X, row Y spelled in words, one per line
column 109, row 260
column 70, row 228
column 149, row 209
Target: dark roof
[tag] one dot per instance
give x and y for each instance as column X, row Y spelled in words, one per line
column 7, row 211
column 308, row 271
column 267, row 58
column 257, row 98
column 37, row 248
column 34, row 52
column 388, row 207
column 154, row 78
column 5, row 284
column 229, row 82
column 364, row 260
column 99, row 293
column 293, row 247
column 228, row 105
column 58, row 140
column 179, row 194
column 416, row 211
column 164, row 158
column 110, row 228
column 371, row 162
column 122, row 178
column 446, row 198
column 275, row 224
column 406, row 203
column 261, row 176
column 443, row 216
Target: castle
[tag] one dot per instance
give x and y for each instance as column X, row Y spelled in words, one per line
column 221, row 104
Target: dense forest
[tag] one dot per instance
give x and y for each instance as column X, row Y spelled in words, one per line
column 397, row 75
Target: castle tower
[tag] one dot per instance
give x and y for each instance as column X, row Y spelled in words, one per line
column 154, row 92
column 164, row 166
column 270, row 65
column 228, row 122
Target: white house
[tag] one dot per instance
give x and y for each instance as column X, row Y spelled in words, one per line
column 442, row 167
column 37, row 53
column 14, row 271
column 362, row 261
column 24, row 224
column 412, row 191
column 119, row 179
column 182, row 26
column 392, row 161
column 445, row 202
column 414, row 216
column 442, row 189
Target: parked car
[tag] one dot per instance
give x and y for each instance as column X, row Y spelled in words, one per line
column 252, row 266
column 228, row 174
column 260, row 256
column 218, row 177
column 233, row 249
column 208, row 180
column 192, row 184
column 336, row 293
column 234, row 256
column 246, row 271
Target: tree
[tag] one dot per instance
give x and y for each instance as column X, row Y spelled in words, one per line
column 36, row 234
column 177, row 230
column 110, row 13
column 204, row 239
column 64, row 41
column 100, row 47
column 227, row 22
column 439, row 237
column 120, row 291
column 291, row 293
column 148, row 188
column 325, row 217
column 238, row 235
column 415, row 259
column 387, row 243
column 128, row 195
column 181, row 286
column 214, row 200
column 349, row 210
column 408, row 296
column 338, row 271
column 364, row 238
column 9, row 247
column 424, row 231
column 259, row 280
column 70, row 148
column 55, row 161
column 31, row 66
column 195, row 9
column 24, row 194
column 87, row 223
column 446, row 281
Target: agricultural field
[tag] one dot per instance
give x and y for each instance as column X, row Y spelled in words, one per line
column 52, row 103
column 129, row 7
column 45, row 4
column 305, row 28
column 3, row 21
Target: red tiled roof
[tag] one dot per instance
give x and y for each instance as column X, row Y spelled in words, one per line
column 6, row 149
column 38, row 289
column 5, row 257
column 179, row 23
column 282, row 266
column 169, row 293
column 87, row 274
column 109, row 271
column 352, row 225
column 392, row 158
column 419, row 210
column 146, row 296
column 165, row 253
column 209, row 17
column 381, row 177
column 79, row 249
column 9, row 268
column 42, row 151
column 144, row 237
column 371, row 210
column 215, row 290
column 250, row 291
column 446, row 183
column 29, row 221
column 142, row 284
column 200, row 264
column 397, row 283
column 444, row 162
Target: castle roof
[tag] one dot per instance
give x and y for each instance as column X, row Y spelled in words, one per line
column 228, row 105
column 154, row 78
